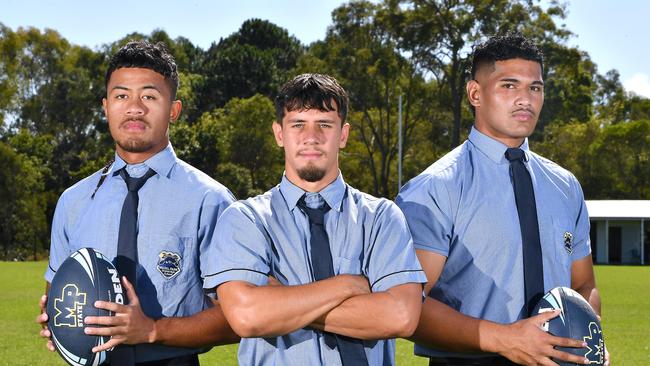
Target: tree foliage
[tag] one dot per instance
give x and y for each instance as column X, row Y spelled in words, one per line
column 53, row 131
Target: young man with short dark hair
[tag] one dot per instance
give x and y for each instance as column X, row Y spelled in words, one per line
column 315, row 272
column 164, row 245
column 495, row 225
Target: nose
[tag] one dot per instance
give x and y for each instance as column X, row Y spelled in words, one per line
column 312, row 134
column 136, row 107
column 523, row 98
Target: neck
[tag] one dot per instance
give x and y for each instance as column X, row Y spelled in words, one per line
column 136, row 157
column 311, row 186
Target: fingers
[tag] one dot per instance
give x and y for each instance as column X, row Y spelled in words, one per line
column 43, row 303
column 108, row 345
column 111, row 306
column 545, row 316
column 45, row 333
column 105, row 320
column 569, row 357
column 567, row 342
column 130, row 291
column 42, row 320
column 50, row 346
column 106, row 331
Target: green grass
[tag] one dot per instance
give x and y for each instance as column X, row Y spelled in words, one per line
column 625, row 293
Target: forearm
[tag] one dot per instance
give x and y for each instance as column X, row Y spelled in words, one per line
column 266, row 311
column 206, row 328
column 442, row 327
column 378, row 315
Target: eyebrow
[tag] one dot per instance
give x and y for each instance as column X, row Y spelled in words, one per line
column 120, row 87
column 510, row 80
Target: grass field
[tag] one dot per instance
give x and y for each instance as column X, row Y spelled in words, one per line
column 625, row 293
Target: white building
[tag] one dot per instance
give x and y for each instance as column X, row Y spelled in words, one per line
column 620, row 231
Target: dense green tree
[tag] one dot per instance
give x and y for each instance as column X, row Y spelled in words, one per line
column 362, row 55
column 253, row 60
column 23, row 222
column 612, row 161
column 439, row 35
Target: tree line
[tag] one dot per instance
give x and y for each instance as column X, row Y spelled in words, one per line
column 53, row 131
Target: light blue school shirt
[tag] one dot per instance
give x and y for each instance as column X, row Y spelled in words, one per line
column 177, row 213
column 463, row 207
column 269, row 235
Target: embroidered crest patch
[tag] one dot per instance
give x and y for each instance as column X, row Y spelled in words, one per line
column 169, row 264
column 568, row 242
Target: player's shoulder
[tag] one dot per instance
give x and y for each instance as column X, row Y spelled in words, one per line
column 254, row 208
column 197, row 180
column 553, row 169
column 368, row 203
column 444, row 172
column 83, row 188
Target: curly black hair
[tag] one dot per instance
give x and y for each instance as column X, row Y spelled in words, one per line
column 143, row 54
column 312, row 91
column 505, row 47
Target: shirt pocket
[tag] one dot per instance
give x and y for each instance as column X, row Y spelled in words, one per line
column 348, row 266
column 172, row 259
column 561, row 240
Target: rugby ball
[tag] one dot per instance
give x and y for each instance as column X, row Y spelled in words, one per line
column 83, row 278
column 577, row 320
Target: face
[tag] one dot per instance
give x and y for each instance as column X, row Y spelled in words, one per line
column 139, row 108
column 508, row 99
column 311, row 140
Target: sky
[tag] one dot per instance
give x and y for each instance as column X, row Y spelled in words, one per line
column 612, row 32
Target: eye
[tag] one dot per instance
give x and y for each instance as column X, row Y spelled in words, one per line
column 148, row 97
column 325, row 125
column 537, row 88
column 121, row 96
column 297, row 125
column 509, row 86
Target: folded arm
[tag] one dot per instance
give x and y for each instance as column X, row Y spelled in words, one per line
column 265, row 311
column 379, row 315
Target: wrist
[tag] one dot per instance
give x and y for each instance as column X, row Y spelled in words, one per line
column 491, row 336
column 153, row 335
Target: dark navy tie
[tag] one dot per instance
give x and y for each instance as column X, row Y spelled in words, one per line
column 527, row 210
column 350, row 349
column 127, row 250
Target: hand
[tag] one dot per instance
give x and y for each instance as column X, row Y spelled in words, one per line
column 358, row 284
column 524, row 342
column 42, row 320
column 129, row 325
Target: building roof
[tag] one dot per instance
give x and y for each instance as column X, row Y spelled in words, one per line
column 618, row 209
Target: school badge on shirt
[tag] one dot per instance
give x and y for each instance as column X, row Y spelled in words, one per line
column 169, row 264
column 568, row 242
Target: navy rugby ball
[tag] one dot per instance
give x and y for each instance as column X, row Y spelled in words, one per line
column 83, row 278
column 577, row 320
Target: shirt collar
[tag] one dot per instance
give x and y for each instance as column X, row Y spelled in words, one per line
column 493, row 149
column 162, row 163
column 332, row 194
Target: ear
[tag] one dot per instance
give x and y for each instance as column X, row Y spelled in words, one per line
column 277, row 132
column 104, row 107
column 345, row 132
column 473, row 93
column 175, row 110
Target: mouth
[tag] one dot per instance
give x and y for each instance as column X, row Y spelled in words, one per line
column 310, row 154
column 134, row 125
column 523, row 114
